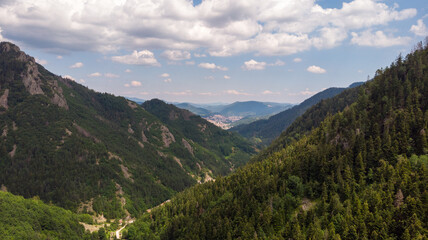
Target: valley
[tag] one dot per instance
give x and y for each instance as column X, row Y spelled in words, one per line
column 213, row 120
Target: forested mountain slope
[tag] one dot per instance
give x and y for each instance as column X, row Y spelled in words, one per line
column 220, row 142
column 70, row 145
column 362, row 174
column 266, row 130
column 32, row 219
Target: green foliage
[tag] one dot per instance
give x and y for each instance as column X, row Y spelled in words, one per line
column 361, row 174
column 98, row 148
column 32, row 219
column 269, row 129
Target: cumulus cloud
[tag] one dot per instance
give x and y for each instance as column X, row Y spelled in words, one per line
column 182, row 93
column 111, row 75
column 176, row 55
column 253, row 65
column 297, row 60
column 95, row 74
column 316, row 69
column 165, row 75
column 77, row 65
column 199, row 55
column 212, row 66
column 144, row 57
column 235, row 92
column 168, row 80
column 135, row 83
column 222, row 27
column 306, row 92
column 190, row 63
column 69, row 77
column 268, row 92
column 420, row 29
column 226, row 77
column 377, row 39
column 59, row 57
column 41, row 61
column 128, row 70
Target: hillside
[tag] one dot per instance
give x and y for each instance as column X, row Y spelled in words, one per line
column 196, row 110
column 362, row 174
column 266, row 130
column 236, row 149
column 32, row 219
column 88, row 151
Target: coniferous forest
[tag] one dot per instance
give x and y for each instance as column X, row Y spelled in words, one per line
column 360, row 174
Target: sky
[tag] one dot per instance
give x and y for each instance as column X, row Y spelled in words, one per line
column 214, row 50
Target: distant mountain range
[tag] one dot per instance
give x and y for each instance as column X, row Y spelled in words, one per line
column 229, row 115
column 265, row 130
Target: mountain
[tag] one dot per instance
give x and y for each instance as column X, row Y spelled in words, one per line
column 81, row 149
column 361, row 174
column 234, row 114
column 196, row 110
column 252, row 108
column 266, row 130
column 137, row 100
column 236, row 149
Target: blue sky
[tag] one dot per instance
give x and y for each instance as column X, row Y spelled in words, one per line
column 214, row 50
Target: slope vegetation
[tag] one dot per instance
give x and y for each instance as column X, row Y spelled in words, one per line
column 266, row 130
column 88, row 151
column 361, row 174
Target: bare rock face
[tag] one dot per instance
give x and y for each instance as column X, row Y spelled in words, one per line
column 167, row 136
column 30, row 78
column 187, row 146
column 3, row 99
column 58, row 98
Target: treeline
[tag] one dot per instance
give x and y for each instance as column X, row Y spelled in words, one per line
column 362, row 174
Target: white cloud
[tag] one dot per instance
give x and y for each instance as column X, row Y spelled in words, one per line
column 176, row 55
column 135, row 83
column 420, row 29
column 165, row 75
column 212, row 66
column 168, row 80
column 69, row 77
column 222, row 27
column 144, row 57
column 95, row 74
column 377, row 39
column 77, row 65
column 209, row 78
column 297, row 60
column 268, row 92
column 226, row 77
column 235, row 92
column 111, row 75
column 59, row 57
column 306, row 92
column 316, row 69
column 41, row 61
column 277, row 63
column 82, row 80
column 190, row 63
column 127, row 85
column 182, row 93
column 199, row 55
column 253, row 65
column 128, row 70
